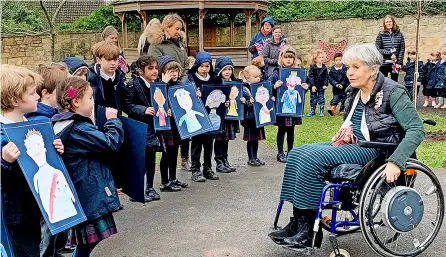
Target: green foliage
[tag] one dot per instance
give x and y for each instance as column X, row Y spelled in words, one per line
column 295, row 10
column 99, row 19
column 21, row 17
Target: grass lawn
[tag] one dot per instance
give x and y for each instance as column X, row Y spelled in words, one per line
column 318, row 129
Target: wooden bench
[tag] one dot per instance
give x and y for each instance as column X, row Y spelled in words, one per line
column 238, row 55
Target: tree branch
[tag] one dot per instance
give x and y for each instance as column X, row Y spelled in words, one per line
column 53, row 20
column 45, row 11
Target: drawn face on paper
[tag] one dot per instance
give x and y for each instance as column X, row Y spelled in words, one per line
column 215, row 98
column 293, row 80
column 184, row 99
column 35, row 147
column 159, row 97
column 262, row 95
column 234, row 93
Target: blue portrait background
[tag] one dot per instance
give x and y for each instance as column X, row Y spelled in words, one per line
column 221, row 111
column 159, row 87
column 240, row 106
column 188, row 111
column 291, row 101
column 262, row 118
column 16, row 132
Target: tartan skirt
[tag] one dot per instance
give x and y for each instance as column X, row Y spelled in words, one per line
column 231, row 128
column 286, row 121
column 92, row 231
column 251, row 132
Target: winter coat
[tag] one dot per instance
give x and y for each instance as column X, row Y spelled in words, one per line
column 338, row 77
column 18, row 203
column 257, row 42
column 87, row 157
column 429, row 75
column 44, row 112
column 74, row 64
column 249, row 107
column 201, row 58
column 440, row 75
column 271, row 51
column 137, row 98
column 409, row 68
column 318, row 77
column 161, row 46
column 386, row 40
column 95, row 79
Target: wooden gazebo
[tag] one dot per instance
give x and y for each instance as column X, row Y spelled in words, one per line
column 187, row 8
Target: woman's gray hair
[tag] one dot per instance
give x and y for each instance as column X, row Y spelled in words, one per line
column 366, row 53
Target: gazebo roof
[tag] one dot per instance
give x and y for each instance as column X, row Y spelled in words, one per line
column 188, row 5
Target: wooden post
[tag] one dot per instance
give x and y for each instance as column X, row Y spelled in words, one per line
column 248, row 14
column 258, row 19
column 231, row 17
column 201, row 15
column 124, row 29
column 144, row 19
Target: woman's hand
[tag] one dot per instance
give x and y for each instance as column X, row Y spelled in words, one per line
column 150, row 111
column 111, row 113
column 393, row 57
column 10, row 152
column 169, row 113
column 243, row 100
column 58, row 145
column 278, row 84
column 305, row 86
column 392, row 172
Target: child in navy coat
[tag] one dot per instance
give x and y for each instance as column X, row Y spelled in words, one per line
column 318, row 80
column 428, row 82
column 409, row 68
column 339, row 81
column 440, row 80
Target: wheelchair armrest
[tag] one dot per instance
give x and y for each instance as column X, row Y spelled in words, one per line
column 429, row 122
column 372, row 144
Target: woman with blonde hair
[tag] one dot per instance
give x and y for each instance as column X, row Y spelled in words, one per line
column 143, row 45
column 110, row 34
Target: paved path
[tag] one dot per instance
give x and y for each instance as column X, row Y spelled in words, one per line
column 229, row 217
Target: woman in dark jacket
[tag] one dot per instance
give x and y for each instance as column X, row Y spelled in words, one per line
column 390, row 43
column 272, row 48
column 377, row 109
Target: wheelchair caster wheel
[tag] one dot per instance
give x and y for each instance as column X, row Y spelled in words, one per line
column 343, row 253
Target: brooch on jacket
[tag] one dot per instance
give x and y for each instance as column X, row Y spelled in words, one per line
column 379, row 99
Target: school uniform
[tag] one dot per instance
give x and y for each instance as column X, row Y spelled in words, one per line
column 317, row 77
column 338, row 76
column 429, row 79
column 409, row 78
column 440, row 78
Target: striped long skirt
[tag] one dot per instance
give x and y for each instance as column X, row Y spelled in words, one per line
column 308, row 165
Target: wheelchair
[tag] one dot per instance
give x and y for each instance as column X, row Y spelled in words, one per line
column 396, row 219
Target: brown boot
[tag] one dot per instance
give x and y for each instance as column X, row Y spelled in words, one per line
column 332, row 110
column 185, row 165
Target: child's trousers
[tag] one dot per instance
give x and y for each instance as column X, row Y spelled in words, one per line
column 201, row 141
column 317, row 97
column 338, row 98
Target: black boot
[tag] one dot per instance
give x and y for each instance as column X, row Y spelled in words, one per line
column 289, row 230
column 208, row 173
column 304, row 238
column 226, row 163
column 221, row 165
column 197, row 176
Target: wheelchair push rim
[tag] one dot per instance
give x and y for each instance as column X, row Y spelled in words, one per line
column 409, row 218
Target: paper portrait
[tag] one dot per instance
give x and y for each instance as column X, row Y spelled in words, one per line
column 291, row 95
column 158, row 92
column 188, row 111
column 46, row 174
column 214, row 98
column 264, row 111
column 236, row 107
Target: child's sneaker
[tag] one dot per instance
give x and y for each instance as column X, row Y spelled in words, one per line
column 443, row 107
column 197, row 176
column 259, row 161
column 426, row 103
column 253, row 163
column 437, row 106
column 434, row 103
column 179, row 183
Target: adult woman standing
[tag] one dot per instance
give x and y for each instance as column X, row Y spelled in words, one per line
column 143, row 44
column 256, row 45
column 166, row 39
column 110, row 34
column 390, row 43
column 272, row 48
column 377, row 109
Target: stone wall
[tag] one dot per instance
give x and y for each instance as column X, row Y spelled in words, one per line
column 303, row 35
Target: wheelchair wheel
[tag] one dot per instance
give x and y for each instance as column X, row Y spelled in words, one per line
column 342, row 215
column 410, row 214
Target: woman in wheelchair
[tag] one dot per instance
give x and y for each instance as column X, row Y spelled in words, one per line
column 376, row 109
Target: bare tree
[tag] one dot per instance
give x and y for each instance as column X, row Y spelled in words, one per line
column 52, row 23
